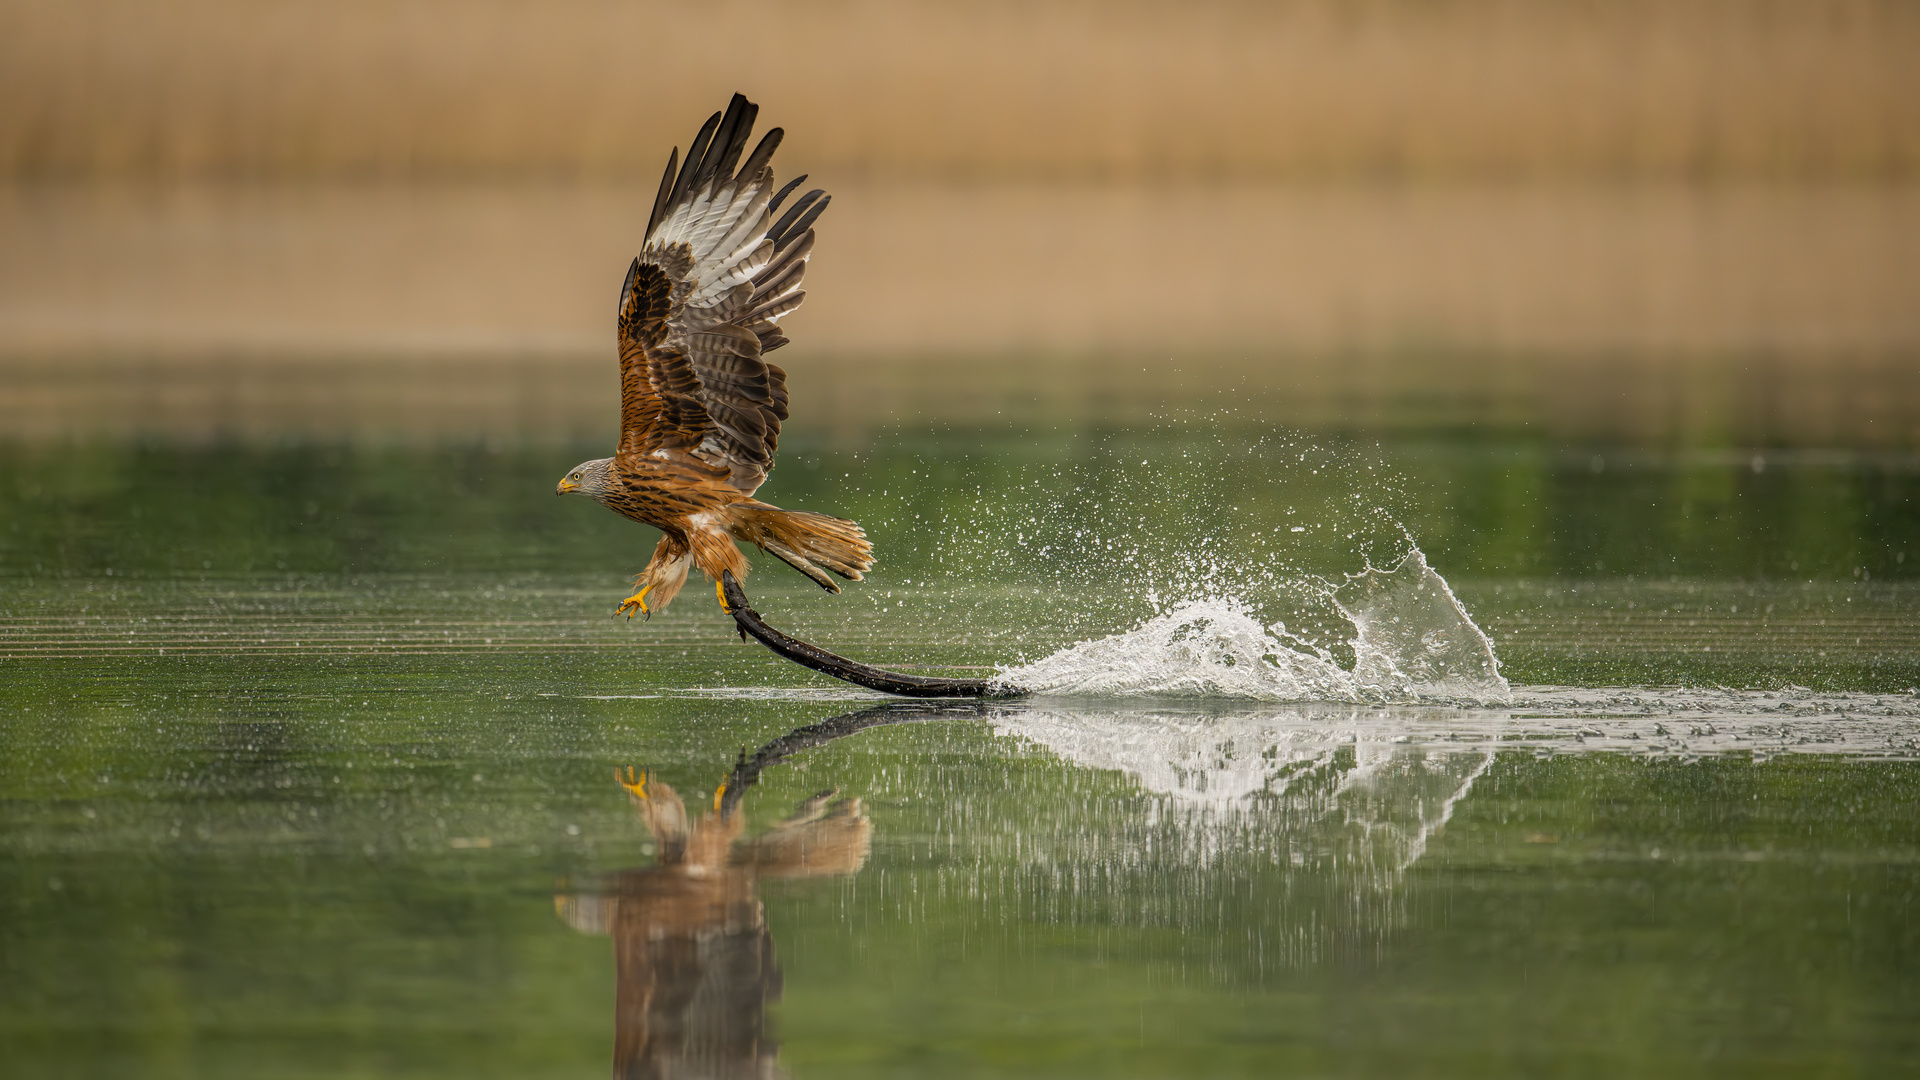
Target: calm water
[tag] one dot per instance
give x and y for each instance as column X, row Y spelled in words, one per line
column 310, row 752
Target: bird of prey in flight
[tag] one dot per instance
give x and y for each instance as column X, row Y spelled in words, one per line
column 700, row 407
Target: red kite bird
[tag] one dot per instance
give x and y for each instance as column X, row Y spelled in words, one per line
column 700, row 409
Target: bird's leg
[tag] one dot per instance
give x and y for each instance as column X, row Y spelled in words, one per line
column 659, row 808
column 635, row 783
column 657, row 584
column 720, row 591
column 636, row 602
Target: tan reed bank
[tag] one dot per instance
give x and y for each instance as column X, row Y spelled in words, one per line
column 1119, row 89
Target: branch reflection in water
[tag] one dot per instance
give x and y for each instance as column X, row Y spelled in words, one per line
column 694, row 962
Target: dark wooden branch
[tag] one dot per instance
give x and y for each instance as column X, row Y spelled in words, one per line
column 873, row 678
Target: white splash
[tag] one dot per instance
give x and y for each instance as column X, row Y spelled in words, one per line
column 1220, row 756
column 1412, row 642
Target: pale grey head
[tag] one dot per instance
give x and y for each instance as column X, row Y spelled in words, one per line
column 589, row 478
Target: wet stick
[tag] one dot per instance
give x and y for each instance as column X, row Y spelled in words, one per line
column 873, row 678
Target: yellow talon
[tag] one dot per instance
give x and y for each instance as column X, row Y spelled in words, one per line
column 637, row 600
column 636, row 786
column 718, row 794
column 720, row 591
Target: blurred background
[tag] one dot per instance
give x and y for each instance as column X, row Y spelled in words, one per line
column 1636, row 222
column 1566, row 290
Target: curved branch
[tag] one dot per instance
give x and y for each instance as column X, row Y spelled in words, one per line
column 873, row 678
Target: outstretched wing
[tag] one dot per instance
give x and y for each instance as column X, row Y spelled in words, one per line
column 702, row 303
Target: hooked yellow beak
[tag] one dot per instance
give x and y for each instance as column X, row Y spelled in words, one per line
column 565, row 486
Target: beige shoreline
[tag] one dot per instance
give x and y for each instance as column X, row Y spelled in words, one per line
column 918, row 269
column 1637, row 312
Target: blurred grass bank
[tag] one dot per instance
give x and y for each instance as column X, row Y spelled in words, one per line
column 1659, row 313
column 1628, row 222
column 1113, row 89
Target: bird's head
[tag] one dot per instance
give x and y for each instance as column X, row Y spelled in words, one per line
column 588, row 478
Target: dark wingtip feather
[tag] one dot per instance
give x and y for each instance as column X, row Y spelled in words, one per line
column 729, row 138
column 696, row 153
column 762, row 153
column 784, row 227
column 773, row 206
column 799, row 228
column 660, row 200
column 736, row 141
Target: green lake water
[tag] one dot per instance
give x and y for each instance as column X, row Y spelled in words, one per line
column 309, row 749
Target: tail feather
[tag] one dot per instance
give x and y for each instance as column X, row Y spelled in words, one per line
column 805, row 541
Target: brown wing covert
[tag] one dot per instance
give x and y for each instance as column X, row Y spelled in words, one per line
column 644, row 302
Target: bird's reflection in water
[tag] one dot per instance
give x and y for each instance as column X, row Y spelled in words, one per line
column 694, row 961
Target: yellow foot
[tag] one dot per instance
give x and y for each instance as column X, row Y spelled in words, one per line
column 636, row 602
column 720, row 591
column 635, row 783
column 720, row 792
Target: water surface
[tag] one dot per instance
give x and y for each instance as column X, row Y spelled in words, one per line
column 310, row 752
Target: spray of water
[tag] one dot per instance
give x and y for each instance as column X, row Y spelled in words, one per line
column 1412, row 641
column 1232, row 543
